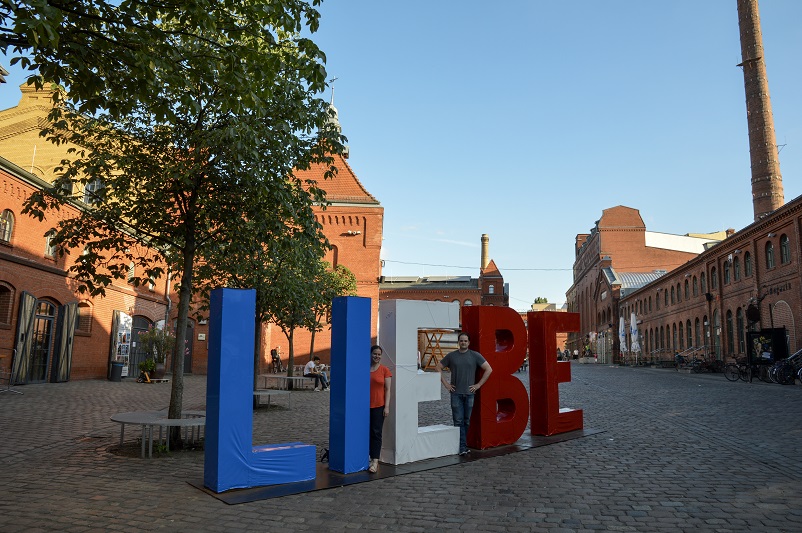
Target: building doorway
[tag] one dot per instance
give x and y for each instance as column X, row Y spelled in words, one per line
column 139, row 325
column 42, row 343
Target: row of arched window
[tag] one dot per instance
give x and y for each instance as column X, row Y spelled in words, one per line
column 8, row 292
column 679, row 336
column 696, row 286
column 7, row 221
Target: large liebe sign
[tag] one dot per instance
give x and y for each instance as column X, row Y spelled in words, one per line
column 499, row 417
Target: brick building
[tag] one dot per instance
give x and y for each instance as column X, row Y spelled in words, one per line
column 352, row 223
column 36, row 291
column 703, row 306
column 617, row 256
column 487, row 289
column 749, row 282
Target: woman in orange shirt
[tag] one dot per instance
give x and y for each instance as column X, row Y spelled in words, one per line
column 380, row 378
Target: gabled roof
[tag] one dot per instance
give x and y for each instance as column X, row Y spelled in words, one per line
column 491, row 270
column 344, row 188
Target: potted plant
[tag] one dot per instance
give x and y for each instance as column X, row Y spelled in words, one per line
column 157, row 343
column 148, row 365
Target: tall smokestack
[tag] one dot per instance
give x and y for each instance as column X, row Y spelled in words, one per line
column 767, row 182
column 485, row 250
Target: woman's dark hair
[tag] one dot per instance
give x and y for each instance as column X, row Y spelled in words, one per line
column 376, row 346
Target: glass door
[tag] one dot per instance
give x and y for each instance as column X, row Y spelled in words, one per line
column 42, row 342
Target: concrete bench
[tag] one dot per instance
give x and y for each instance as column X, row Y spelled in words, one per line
column 281, row 381
column 260, row 393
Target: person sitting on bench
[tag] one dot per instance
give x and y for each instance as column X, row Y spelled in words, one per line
column 312, row 370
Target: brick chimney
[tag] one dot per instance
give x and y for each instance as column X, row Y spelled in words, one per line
column 767, row 182
column 485, row 250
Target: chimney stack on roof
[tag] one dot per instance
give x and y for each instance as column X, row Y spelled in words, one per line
column 485, row 250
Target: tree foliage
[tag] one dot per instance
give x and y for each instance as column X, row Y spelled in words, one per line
column 332, row 282
column 193, row 117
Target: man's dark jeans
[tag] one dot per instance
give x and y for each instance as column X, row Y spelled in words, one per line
column 461, row 409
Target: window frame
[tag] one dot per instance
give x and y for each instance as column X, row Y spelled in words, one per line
column 7, row 221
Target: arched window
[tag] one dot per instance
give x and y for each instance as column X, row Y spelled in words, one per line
column 455, row 301
column 679, row 293
column 467, row 302
column 687, row 290
column 697, row 334
column 726, row 272
column 713, row 279
column 665, row 299
column 769, row 255
column 681, row 338
column 736, row 268
column 703, row 281
column 747, row 264
column 491, row 289
column 715, row 333
column 662, row 338
column 6, row 225
column 785, row 250
column 50, row 248
column 674, row 337
column 650, row 304
column 6, row 303
column 739, row 320
column 688, row 331
column 695, row 286
column 672, row 295
column 730, row 333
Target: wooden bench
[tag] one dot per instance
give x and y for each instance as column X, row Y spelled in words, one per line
column 259, row 393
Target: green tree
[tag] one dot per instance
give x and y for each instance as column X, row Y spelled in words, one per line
column 332, row 282
column 287, row 292
column 199, row 156
column 541, row 300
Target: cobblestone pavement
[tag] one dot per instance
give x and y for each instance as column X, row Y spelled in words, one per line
column 677, row 453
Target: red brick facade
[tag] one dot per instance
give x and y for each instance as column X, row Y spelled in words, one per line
column 618, row 240
column 736, row 273
column 353, row 224
column 25, row 267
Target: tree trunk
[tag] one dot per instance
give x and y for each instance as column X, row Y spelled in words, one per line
column 291, row 360
column 312, row 345
column 177, row 391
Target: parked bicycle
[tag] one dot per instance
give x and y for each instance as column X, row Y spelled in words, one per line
column 740, row 369
column 785, row 371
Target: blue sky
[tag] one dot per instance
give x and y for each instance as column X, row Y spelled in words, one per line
column 525, row 119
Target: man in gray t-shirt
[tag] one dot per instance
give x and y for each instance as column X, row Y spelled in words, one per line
column 463, row 364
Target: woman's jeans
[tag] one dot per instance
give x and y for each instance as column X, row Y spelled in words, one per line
column 376, row 425
column 461, row 408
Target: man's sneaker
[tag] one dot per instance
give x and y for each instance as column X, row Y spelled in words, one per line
column 317, row 389
column 327, row 389
column 465, row 452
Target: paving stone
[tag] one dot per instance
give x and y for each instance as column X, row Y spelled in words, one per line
column 678, row 453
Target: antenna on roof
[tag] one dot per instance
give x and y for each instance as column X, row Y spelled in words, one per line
column 331, row 82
